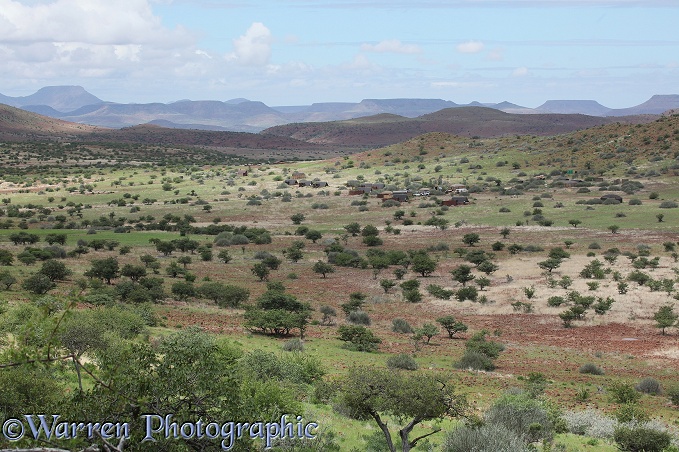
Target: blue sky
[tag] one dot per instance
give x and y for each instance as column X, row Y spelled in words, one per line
column 295, row 52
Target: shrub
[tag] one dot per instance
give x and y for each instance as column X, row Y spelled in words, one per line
column 474, row 360
column 358, row 338
column 294, row 345
column 479, row 343
column 412, row 296
column 467, row 293
column 486, row 438
column 631, row 412
column 649, row 386
column 591, row 369
column 440, row 292
column 359, row 318
column 294, row 367
column 590, row 423
column 402, row 361
column 623, row 393
column 527, row 417
column 673, row 394
column 555, row 301
column 401, row 326
column 641, row 439
column 668, row 205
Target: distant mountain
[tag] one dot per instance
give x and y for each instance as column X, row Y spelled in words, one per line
column 73, row 103
column 386, row 129
column 17, row 125
column 568, row 107
column 60, row 98
column 656, row 105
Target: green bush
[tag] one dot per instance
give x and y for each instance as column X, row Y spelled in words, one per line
column 631, row 412
column 402, row 361
column 479, row 343
column 555, row 301
column 641, row 439
column 467, row 293
column 623, row 393
column 358, row 338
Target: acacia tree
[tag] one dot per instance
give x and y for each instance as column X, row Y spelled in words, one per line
column 462, row 274
column 323, row 268
column 451, row 325
column 374, row 393
column 471, row 239
column 665, row 317
column 423, row 264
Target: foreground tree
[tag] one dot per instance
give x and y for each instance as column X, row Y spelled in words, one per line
column 368, row 393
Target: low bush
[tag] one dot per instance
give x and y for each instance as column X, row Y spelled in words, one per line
column 527, row 417
column 402, row 361
column 359, row 318
column 486, row 438
column 644, row 439
column 591, row 423
column 649, row 386
column 294, row 345
column 623, row 393
column 591, row 369
column 474, row 360
column 401, row 326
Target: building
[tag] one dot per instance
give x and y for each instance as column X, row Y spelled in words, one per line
column 612, row 196
column 456, row 201
column 400, row 195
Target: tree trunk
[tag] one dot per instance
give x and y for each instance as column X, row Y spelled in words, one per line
column 385, row 430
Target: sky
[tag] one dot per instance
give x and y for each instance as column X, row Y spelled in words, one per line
column 297, row 52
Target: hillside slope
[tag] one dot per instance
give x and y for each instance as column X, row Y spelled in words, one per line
column 383, row 130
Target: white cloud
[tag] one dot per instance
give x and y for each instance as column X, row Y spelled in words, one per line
column 520, row 72
column 392, row 46
column 470, row 47
column 85, row 21
column 361, row 64
column 254, row 47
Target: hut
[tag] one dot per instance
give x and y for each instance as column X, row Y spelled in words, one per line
column 456, row 201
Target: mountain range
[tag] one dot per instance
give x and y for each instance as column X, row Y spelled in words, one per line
column 75, row 104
